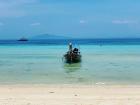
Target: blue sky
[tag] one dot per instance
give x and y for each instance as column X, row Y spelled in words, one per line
column 72, row 18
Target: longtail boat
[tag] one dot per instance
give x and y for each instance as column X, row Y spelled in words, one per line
column 73, row 55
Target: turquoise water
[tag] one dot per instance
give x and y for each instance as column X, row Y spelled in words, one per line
column 43, row 64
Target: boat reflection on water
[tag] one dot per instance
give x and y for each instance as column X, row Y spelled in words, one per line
column 72, row 67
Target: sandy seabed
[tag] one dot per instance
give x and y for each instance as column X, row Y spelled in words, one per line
column 69, row 95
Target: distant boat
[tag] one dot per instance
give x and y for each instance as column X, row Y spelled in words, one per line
column 73, row 55
column 23, row 39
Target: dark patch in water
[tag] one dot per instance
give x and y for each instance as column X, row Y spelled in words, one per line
column 125, row 67
column 71, row 77
column 28, row 70
column 5, row 63
column 81, row 79
column 114, row 64
column 31, row 63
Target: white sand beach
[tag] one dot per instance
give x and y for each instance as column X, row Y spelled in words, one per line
column 69, row 95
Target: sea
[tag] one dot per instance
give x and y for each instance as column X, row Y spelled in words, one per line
column 104, row 62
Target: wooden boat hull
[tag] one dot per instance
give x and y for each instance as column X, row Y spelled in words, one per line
column 72, row 58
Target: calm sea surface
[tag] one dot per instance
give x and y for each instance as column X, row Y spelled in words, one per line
column 107, row 61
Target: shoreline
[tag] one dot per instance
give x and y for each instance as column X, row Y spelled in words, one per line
column 69, row 85
column 69, row 95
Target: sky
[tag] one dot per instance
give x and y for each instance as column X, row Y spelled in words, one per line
column 72, row 18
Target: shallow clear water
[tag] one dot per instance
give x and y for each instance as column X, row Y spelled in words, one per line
column 43, row 64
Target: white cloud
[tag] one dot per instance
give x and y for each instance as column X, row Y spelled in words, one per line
column 35, row 24
column 83, row 21
column 124, row 22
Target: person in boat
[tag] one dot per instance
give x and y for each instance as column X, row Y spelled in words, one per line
column 75, row 50
column 71, row 50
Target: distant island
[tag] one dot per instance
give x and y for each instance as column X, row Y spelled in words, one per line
column 23, row 39
column 48, row 36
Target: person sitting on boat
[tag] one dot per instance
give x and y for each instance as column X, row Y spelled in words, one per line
column 75, row 50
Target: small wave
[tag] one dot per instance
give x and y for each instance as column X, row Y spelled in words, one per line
column 100, row 83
